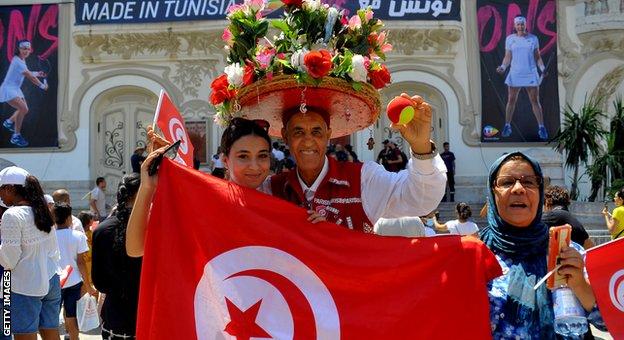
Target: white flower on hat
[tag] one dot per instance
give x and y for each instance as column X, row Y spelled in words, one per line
column 235, row 73
column 312, row 5
column 358, row 70
column 296, row 60
column 255, row 5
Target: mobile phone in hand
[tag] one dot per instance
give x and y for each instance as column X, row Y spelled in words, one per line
column 558, row 237
column 170, row 153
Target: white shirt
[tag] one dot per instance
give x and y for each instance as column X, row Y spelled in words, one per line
column 309, row 191
column 278, row 154
column 415, row 191
column 77, row 225
column 217, row 162
column 461, row 228
column 403, row 226
column 71, row 243
column 30, row 254
column 429, row 232
column 98, row 195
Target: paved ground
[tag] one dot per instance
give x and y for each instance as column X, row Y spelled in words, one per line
column 95, row 334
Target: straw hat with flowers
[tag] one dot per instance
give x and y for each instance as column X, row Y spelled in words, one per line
column 317, row 57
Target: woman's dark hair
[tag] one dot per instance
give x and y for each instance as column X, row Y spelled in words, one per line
column 556, row 196
column 85, row 217
column 16, row 50
column 128, row 187
column 62, row 211
column 620, row 193
column 31, row 191
column 241, row 127
column 463, row 210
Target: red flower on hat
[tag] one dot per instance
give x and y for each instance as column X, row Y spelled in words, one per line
column 249, row 75
column 297, row 3
column 318, row 63
column 379, row 77
column 221, row 90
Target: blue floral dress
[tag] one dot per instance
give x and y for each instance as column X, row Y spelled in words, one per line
column 512, row 306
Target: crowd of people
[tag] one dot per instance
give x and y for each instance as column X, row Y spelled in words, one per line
column 55, row 258
column 41, row 238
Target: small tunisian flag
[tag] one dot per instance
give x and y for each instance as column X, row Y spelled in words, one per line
column 605, row 268
column 171, row 124
column 239, row 264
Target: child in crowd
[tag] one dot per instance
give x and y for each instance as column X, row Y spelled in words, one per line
column 73, row 248
column 88, row 221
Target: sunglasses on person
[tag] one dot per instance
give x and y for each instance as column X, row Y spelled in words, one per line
column 238, row 121
column 528, row 182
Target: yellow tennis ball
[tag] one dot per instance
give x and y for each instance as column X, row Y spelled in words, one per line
column 407, row 114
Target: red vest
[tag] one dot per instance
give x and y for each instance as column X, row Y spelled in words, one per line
column 338, row 198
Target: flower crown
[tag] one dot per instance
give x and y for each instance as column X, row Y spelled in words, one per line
column 313, row 40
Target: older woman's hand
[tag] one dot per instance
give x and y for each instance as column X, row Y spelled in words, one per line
column 572, row 266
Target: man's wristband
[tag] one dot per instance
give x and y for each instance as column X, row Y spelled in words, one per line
column 503, row 66
column 42, row 86
column 429, row 155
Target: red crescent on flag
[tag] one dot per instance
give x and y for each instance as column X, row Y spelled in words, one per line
column 303, row 317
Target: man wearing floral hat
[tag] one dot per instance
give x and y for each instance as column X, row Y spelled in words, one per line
column 319, row 80
column 358, row 194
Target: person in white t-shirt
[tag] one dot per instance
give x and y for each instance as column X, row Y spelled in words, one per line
column 403, row 226
column 97, row 200
column 29, row 249
column 62, row 196
column 462, row 225
column 73, row 248
column 522, row 54
column 11, row 92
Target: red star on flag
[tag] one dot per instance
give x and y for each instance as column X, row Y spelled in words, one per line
column 243, row 324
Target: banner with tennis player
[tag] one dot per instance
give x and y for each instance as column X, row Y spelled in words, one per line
column 29, row 80
column 518, row 49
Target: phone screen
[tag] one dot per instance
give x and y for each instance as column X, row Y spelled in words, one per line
column 170, row 153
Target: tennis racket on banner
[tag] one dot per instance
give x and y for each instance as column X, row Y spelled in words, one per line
column 45, row 68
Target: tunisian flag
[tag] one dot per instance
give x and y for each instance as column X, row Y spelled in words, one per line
column 226, row 262
column 605, row 268
column 170, row 122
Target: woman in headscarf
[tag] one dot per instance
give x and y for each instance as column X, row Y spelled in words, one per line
column 519, row 239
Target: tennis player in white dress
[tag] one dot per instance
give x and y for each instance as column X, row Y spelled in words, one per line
column 11, row 92
column 522, row 54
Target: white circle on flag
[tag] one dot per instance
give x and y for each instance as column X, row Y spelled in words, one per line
column 271, row 277
column 176, row 131
column 616, row 289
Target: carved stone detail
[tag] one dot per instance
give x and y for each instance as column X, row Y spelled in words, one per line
column 190, row 74
column 437, row 40
column 169, row 45
column 608, row 85
column 197, row 109
column 603, row 41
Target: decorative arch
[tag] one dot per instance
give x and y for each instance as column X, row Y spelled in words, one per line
column 152, row 78
column 590, row 66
